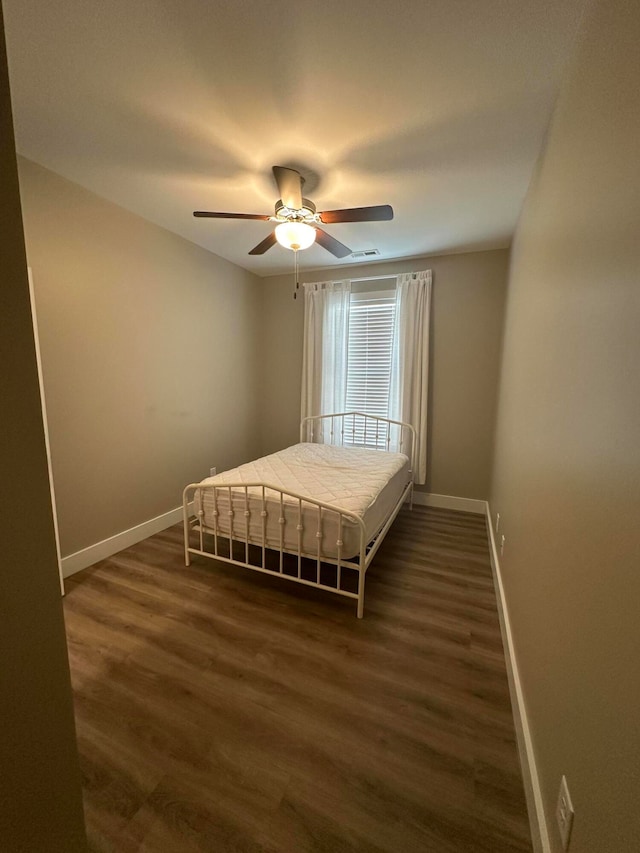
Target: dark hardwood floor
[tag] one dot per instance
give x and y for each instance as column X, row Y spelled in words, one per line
column 218, row 709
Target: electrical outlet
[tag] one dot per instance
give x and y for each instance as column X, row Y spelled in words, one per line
column 212, row 472
column 502, row 541
column 564, row 814
column 497, row 522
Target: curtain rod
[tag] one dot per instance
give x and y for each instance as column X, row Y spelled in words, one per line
column 374, row 277
column 364, row 278
column 370, row 277
column 413, row 273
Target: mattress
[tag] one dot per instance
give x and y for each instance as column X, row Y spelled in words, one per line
column 363, row 481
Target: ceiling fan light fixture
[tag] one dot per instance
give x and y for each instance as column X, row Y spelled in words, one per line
column 295, row 235
column 298, row 221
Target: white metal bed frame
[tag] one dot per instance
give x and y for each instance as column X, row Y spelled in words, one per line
column 376, row 432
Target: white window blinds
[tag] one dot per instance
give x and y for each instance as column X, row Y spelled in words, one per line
column 370, row 351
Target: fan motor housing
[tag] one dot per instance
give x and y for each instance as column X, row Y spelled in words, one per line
column 307, row 211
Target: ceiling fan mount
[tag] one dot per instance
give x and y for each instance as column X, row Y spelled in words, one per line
column 297, row 221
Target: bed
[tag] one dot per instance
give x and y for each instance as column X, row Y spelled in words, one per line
column 315, row 513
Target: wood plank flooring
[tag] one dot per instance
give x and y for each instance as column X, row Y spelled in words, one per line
column 218, row 709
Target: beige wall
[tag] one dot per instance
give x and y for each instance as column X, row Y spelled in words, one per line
column 40, row 801
column 567, row 461
column 467, row 313
column 149, row 350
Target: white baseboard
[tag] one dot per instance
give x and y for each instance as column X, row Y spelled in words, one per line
column 449, row 502
column 101, row 550
column 533, row 794
column 107, row 547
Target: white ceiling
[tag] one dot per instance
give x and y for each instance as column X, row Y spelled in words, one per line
column 437, row 107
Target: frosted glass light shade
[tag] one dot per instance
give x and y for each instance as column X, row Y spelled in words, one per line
column 295, row 235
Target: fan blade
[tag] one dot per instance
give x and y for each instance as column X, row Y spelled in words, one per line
column 267, row 243
column 331, row 244
column 289, row 186
column 210, row 215
column 377, row 213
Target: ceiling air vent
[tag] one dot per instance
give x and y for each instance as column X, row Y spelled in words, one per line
column 366, row 253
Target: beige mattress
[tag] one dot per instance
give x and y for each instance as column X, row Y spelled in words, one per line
column 366, row 482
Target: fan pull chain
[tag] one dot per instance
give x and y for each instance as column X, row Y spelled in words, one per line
column 296, row 273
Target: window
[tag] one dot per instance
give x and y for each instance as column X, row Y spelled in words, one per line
column 369, row 358
column 369, row 352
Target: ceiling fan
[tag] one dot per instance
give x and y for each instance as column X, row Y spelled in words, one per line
column 298, row 223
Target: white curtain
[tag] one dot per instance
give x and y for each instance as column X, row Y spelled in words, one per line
column 410, row 367
column 326, row 341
